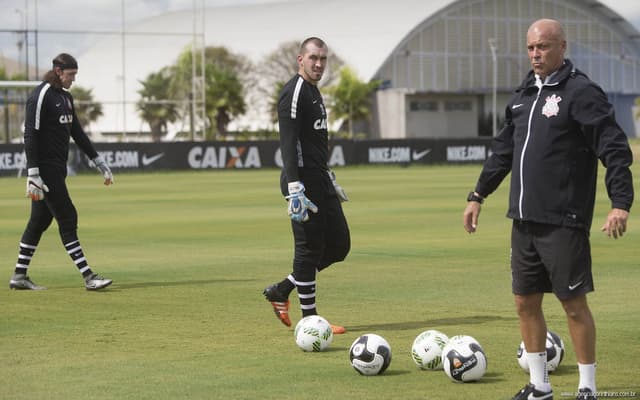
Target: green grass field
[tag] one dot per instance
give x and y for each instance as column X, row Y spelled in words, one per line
column 190, row 254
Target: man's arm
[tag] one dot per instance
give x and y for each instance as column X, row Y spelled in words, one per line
column 608, row 141
column 498, row 163
column 289, row 109
column 35, row 104
column 80, row 137
column 83, row 141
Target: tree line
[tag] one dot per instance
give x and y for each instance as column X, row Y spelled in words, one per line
column 232, row 85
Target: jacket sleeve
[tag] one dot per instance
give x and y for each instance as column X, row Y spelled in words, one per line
column 31, row 137
column 290, row 128
column 498, row 164
column 608, row 141
column 80, row 137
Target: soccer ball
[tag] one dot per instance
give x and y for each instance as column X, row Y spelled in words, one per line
column 555, row 353
column 427, row 349
column 370, row 354
column 313, row 333
column 463, row 359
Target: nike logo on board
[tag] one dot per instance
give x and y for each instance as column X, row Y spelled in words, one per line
column 150, row 160
column 417, row 155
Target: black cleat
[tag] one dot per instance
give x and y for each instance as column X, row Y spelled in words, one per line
column 529, row 392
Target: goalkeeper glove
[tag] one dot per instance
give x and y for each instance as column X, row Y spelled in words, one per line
column 339, row 190
column 35, row 185
column 102, row 166
column 299, row 203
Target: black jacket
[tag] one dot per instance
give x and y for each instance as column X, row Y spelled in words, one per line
column 304, row 138
column 50, row 121
column 554, row 134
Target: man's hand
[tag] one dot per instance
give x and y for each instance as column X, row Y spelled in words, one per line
column 470, row 216
column 102, row 166
column 616, row 223
column 339, row 190
column 35, row 186
column 299, row 203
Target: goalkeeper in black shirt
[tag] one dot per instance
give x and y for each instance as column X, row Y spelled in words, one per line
column 50, row 121
column 320, row 230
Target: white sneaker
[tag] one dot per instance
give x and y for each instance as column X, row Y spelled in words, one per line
column 96, row 282
column 22, row 282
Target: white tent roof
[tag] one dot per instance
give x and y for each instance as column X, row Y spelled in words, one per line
column 361, row 32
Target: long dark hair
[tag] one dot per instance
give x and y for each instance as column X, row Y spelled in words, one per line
column 62, row 61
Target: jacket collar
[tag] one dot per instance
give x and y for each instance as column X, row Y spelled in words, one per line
column 566, row 70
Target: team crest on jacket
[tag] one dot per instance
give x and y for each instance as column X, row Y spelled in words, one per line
column 551, row 108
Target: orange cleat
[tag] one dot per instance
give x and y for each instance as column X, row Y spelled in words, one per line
column 279, row 302
column 282, row 311
column 337, row 329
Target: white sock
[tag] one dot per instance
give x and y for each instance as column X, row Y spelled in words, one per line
column 587, row 376
column 538, row 373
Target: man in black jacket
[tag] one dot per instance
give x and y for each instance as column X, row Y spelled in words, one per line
column 558, row 124
column 50, row 122
column 320, row 230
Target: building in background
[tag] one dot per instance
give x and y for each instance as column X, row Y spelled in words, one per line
column 439, row 79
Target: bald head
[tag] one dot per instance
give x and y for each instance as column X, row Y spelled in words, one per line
column 547, row 27
column 546, row 45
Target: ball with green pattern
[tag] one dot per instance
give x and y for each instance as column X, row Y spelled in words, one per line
column 313, row 333
column 426, row 350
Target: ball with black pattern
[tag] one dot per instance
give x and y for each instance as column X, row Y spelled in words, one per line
column 370, row 354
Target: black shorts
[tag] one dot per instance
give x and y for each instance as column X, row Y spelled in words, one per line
column 549, row 258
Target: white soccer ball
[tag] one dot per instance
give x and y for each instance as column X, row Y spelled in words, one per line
column 426, row 350
column 463, row 359
column 370, row 354
column 313, row 333
column 555, row 353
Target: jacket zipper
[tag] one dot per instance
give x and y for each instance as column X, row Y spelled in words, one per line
column 539, row 84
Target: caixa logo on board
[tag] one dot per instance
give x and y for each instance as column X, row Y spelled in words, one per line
column 201, row 157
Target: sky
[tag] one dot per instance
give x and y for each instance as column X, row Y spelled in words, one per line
column 107, row 16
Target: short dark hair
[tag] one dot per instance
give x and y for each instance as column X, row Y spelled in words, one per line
column 65, row 61
column 315, row 40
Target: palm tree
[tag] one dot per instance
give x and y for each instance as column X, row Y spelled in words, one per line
column 350, row 99
column 225, row 97
column 225, row 73
column 157, row 106
column 87, row 109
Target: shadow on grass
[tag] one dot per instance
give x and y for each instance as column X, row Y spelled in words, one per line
column 394, row 372
column 393, row 326
column 490, row 378
column 337, row 349
column 142, row 285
